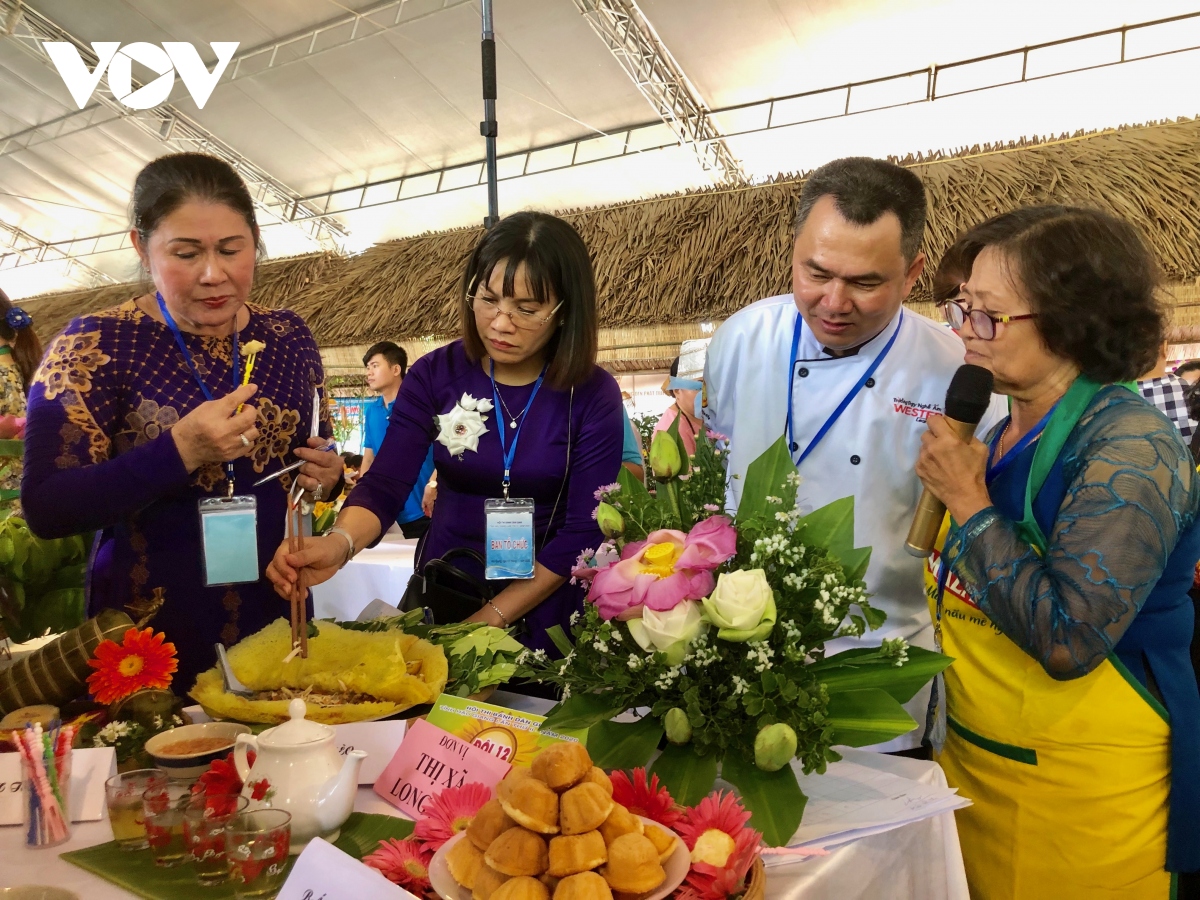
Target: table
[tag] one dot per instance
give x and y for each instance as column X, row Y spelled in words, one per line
column 921, row 861
column 379, row 572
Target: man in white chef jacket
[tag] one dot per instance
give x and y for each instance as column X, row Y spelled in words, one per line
column 856, row 257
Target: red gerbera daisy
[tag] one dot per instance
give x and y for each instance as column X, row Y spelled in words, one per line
column 642, row 798
column 448, row 813
column 708, row 882
column 402, row 862
column 142, row 660
column 723, row 849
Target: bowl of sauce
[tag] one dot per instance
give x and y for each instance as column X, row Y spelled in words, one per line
column 185, row 752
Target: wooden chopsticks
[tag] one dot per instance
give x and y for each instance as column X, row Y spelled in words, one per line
column 295, row 531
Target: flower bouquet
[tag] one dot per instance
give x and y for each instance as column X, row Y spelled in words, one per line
column 715, row 629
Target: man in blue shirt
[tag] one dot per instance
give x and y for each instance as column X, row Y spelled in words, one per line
column 387, row 364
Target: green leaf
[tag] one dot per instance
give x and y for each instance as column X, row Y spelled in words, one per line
column 555, row 633
column 868, row 716
column 832, row 527
column 863, row 668
column 581, row 711
column 363, row 831
column 767, row 477
column 774, row 799
column 624, row 745
column 687, row 775
column 54, row 611
column 630, row 486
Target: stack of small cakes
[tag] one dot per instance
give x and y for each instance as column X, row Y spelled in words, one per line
column 554, row 829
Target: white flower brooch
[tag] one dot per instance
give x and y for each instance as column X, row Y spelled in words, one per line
column 460, row 428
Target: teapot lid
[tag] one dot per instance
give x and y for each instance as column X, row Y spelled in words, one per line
column 297, row 730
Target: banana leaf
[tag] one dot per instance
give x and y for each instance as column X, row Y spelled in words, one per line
column 767, row 477
column 581, row 711
column 867, row 716
column 774, row 799
column 686, row 774
column 854, row 670
column 624, row 745
column 832, row 527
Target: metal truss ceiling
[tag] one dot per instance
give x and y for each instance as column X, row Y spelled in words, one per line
column 631, row 38
column 274, row 199
column 19, row 247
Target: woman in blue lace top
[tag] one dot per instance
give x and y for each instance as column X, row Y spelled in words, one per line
column 1071, row 714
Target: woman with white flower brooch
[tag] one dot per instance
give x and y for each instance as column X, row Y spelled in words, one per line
column 524, row 425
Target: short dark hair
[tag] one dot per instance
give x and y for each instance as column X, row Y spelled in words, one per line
column 170, row 181
column 1190, row 366
column 557, row 266
column 392, row 352
column 864, row 189
column 1088, row 276
column 675, row 367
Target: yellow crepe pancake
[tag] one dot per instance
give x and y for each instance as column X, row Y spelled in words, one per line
column 382, row 673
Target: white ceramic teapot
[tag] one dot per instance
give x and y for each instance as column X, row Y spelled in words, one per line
column 305, row 775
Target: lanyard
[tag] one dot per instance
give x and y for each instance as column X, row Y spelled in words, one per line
column 995, row 468
column 187, row 354
column 841, row 408
column 510, row 452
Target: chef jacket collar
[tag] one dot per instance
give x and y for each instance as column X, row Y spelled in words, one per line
column 811, row 350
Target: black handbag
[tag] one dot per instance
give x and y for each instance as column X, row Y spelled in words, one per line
column 449, row 593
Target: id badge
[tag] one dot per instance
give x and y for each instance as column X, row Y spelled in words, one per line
column 229, row 539
column 509, row 539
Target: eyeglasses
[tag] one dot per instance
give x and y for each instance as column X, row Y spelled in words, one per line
column 524, row 319
column 983, row 324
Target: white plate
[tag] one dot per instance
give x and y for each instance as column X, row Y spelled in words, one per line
column 447, row 888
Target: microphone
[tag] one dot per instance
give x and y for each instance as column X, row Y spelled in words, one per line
column 967, row 399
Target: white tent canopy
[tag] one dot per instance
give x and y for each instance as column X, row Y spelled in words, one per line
column 368, row 113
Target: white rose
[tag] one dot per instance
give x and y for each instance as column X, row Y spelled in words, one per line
column 460, row 429
column 742, row 606
column 671, row 631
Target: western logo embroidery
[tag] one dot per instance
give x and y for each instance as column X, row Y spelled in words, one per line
column 915, row 409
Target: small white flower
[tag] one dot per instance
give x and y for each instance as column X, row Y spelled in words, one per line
column 460, row 428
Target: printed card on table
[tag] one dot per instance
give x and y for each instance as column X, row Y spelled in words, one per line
column 429, row 761
column 507, row 734
column 323, row 872
column 379, row 739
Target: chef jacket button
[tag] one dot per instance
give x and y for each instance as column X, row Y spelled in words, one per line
column 795, row 446
column 870, row 382
column 855, row 460
column 803, row 373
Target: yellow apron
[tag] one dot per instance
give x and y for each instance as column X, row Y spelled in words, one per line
column 1069, row 779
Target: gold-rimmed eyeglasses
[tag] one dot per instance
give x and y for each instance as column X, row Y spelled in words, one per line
column 982, row 323
column 522, row 318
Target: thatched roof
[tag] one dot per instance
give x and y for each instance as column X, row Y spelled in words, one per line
column 705, row 254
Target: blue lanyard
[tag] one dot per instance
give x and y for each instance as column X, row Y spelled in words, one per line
column 841, row 408
column 187, row 354
column 510, row 453
column 994, row 469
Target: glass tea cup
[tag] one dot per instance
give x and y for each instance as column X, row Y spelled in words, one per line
column 257, row 844
column 123, row 794
column 162, row 809
column 204, row 821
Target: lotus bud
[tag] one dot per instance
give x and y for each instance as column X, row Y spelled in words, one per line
column 678, row 728
column 665, row 458
column 610, row 520
column 774, row 747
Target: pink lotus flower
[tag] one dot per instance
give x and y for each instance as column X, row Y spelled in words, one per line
column 448, row 813
column 663, row 570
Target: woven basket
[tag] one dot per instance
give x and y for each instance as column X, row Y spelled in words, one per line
column 58, row 671
column 756, row 882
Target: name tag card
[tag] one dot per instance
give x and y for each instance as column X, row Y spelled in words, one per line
column 379, row 739
column 506, row 734
column 323, row 872
column 429, row 761
column 90, row 768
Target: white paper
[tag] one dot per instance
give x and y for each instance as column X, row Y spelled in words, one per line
column 851, row 801
column 379, row 739
column 90, row 768
column 323, row 872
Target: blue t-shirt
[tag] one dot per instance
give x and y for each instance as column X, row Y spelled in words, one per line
column 630, row 451
column 375, row 422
